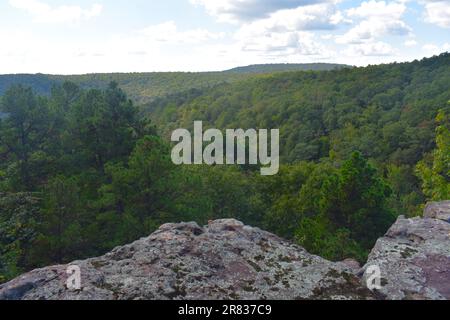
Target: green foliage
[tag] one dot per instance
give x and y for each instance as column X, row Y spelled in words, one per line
column 141, row 192
column 355, row 198
column 435, row 174
column 64, row 148
column 19, row 217
column 280, row 67
column 336, row 212
column 60, row 234
column 291, row 195
column 225, row 192
column 22, row 134
column 83, row 170
column 386, row 112
column 406, row 191
column 144, row 87
column 317, row 235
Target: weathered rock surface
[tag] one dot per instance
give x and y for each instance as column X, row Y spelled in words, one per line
column 414, row 259
column 438, row 210
column 224, row 260
column 228, row 260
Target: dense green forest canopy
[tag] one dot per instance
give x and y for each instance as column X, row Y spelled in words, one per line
column 386, row 112
column 284, row 67
column 143, row 87
column 83, row 170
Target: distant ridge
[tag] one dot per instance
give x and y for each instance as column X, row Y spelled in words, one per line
column 284, row 67
column 145, row 86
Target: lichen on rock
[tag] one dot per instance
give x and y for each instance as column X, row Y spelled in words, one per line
column 228, row 260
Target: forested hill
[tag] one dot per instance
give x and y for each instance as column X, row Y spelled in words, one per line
column 284, row 67
column 385, row 111
column 143, row 87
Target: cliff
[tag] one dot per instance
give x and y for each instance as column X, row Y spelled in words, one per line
column 228, row 260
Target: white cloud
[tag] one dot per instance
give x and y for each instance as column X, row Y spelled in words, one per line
column 247, row 10
column 161, row 47
column 378, row 48
column 44, row 13
column 381, row 9
column 160, row 40
column 168, row 32
column 313, row 17
column 288, row 32
column 433, row 49
column 377, row 19
column 282, row 43
column 410, row 43
column 437, row 12
column 369, row 30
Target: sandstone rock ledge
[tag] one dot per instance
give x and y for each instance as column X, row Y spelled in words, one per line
column 414, row 259
column 224, row 260
column 228, row 260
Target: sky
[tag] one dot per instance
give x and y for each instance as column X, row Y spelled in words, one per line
column 84, row 36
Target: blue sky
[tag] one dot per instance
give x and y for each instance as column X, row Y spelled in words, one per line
column 86, row 36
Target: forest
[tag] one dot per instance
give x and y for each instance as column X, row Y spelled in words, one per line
column 144, row 87
column 85, row 169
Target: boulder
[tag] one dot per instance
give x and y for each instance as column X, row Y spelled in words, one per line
column 224, row 260
column 229, row 260
column 438, row 210
column 352, row 264
column 414, row 259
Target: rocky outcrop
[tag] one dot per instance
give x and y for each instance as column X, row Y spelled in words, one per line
column 228, row 260
column 438, row 210
column 414, row 256
column 224, row 260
